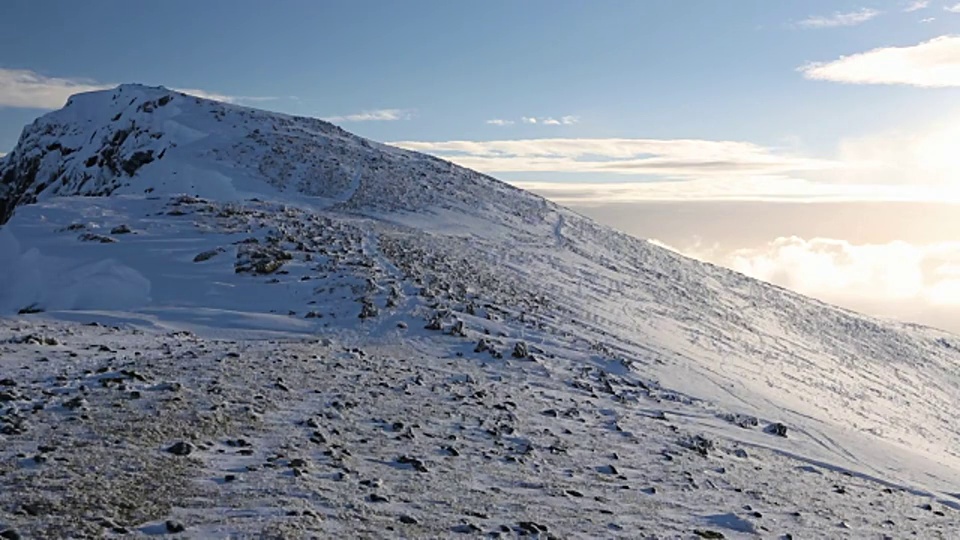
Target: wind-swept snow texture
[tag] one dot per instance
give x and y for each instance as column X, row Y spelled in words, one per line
column 489, row 362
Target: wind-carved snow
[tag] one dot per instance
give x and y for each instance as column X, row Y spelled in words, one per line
column 650, row 393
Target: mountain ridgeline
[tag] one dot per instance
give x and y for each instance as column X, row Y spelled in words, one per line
column 176, row 202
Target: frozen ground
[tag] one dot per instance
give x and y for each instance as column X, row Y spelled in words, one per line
column 359, row 341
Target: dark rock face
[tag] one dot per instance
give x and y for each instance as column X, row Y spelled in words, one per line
column 16, row 177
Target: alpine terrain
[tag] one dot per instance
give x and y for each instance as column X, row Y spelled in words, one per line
column 220, row 322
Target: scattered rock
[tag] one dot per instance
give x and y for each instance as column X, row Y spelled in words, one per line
column 174, row 527
column 374, row 498
column 181, row 448
column 520, row 350
column 708, row 534
column 10, row 534
column 743, row 420
column 530, row 527
column 607, row 469
column 777, row 429
column 408, row 520
column 207, row 255
column 467, row 528
column 91, row 237
column 698, row 444
column 435, row 323
column 368, row 311
column 413, row 462
column 121, row 229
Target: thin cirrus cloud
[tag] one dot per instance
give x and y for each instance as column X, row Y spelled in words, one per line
column 664, row 158
column 375, row 115
column 22, row 88
column 838, row 19
column 917, row 5
column 953, row 9
column 930, row 64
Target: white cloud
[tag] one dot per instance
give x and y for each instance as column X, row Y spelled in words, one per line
column 675, row 159
column 931, row 64
column 894, row 279
column 26, row 89
column 549, row 120
column 22, row 88
column 837, row 19
column 921, row 156
column 765, row 189
column 917, row 5
column 928, row 20
column 500, row 122
column 377, row 115
column 953, row 9
column 208, row 95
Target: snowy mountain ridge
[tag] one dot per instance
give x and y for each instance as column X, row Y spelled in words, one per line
column 160, row 213
column 176, row 143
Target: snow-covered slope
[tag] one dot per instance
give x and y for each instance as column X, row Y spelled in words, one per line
column 236, row 224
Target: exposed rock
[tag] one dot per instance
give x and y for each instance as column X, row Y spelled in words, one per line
column 778, row 429
column 207, row 255
column 698, row 444
column 181, row 448
column 92, row 237
column 417, row 465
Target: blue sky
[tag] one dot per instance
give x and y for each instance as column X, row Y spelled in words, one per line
column 437, row 71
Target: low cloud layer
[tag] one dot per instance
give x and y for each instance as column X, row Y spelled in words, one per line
column 665, row 158
column 900, row 280
column 931, row 64
column 769, row 188
column 21, row 88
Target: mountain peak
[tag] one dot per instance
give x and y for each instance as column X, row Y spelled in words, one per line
column 137, row 139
